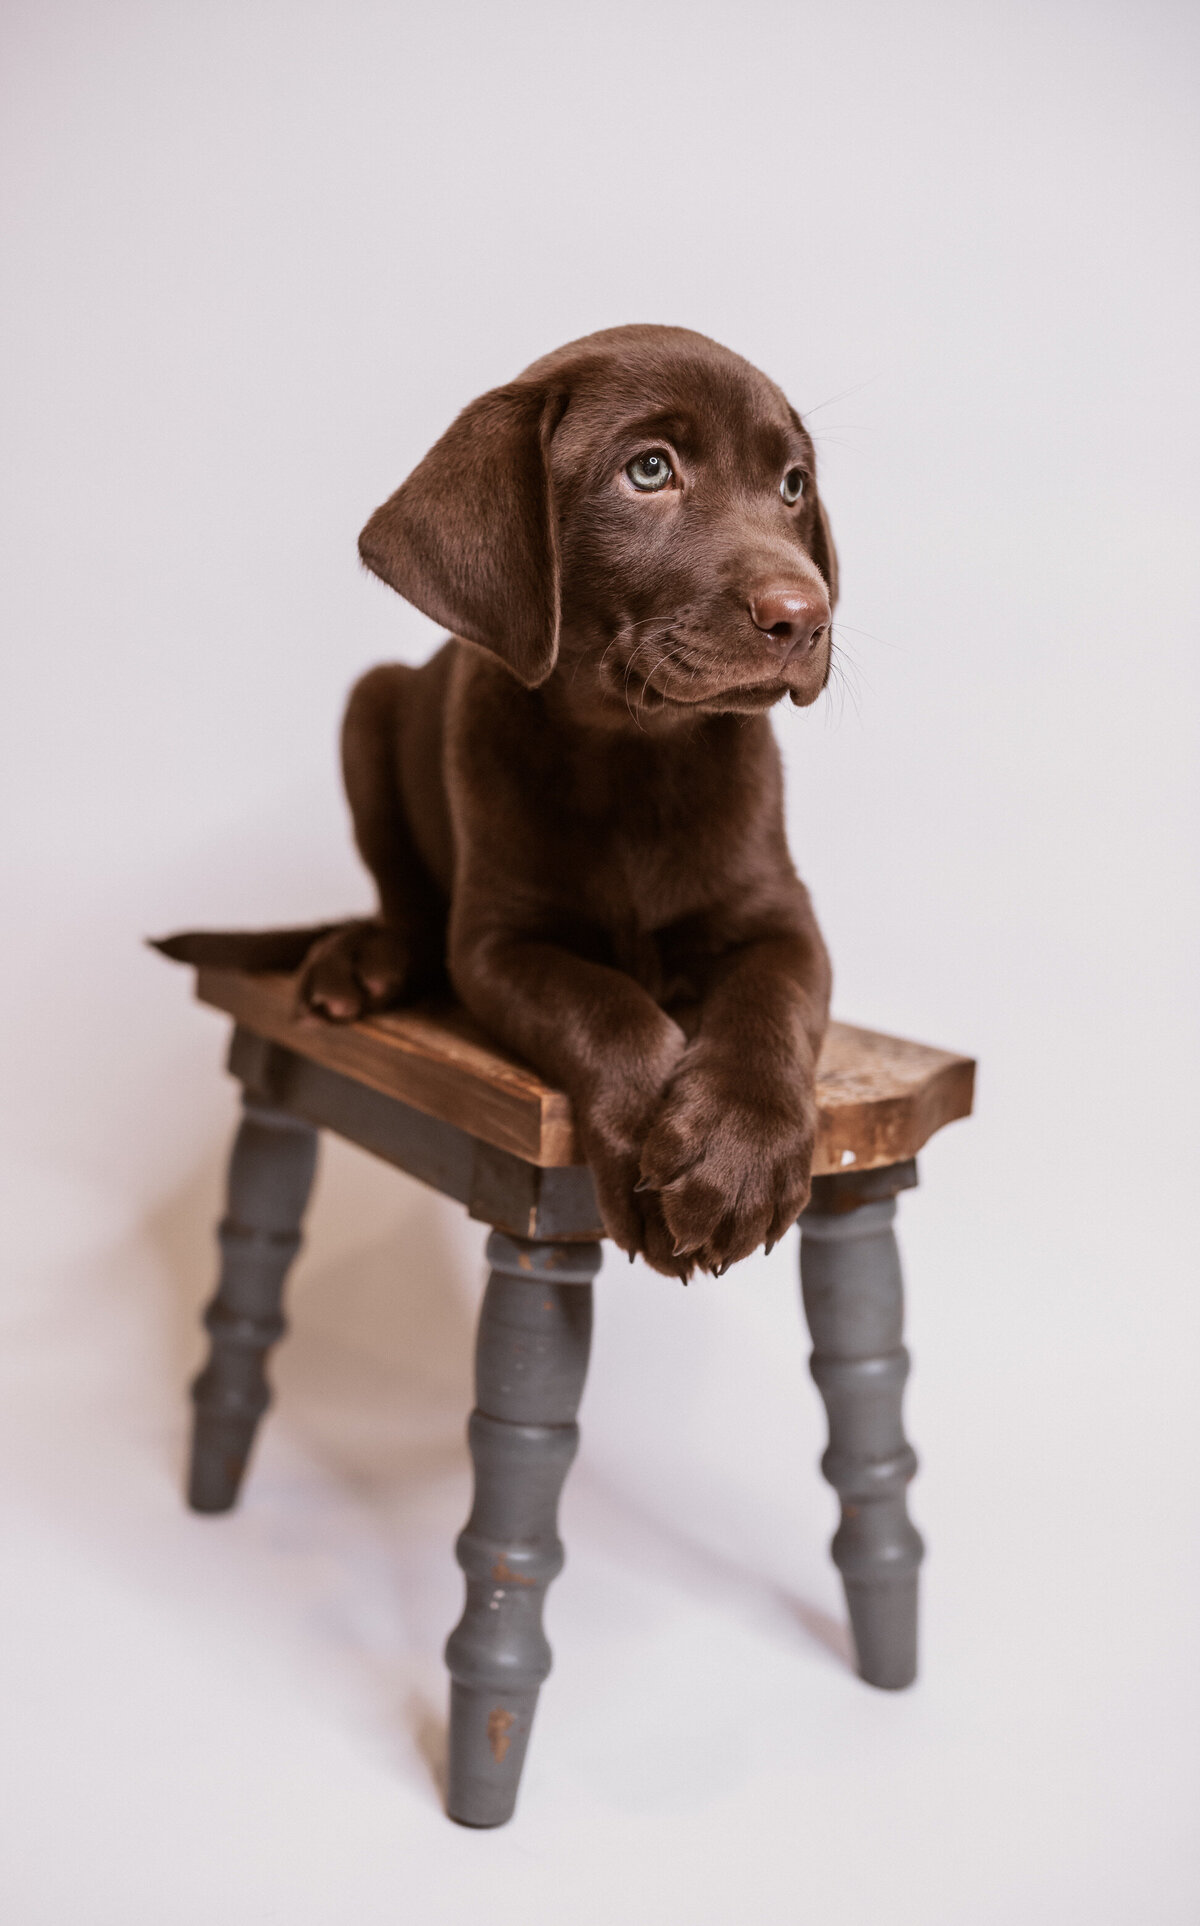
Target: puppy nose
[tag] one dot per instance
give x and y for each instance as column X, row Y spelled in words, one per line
column 790, row 618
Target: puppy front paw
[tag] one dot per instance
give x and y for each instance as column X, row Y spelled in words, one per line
column 728, row 1160
column 630, row 1211
column 614, row 1117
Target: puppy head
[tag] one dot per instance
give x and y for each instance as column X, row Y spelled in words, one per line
column 639, row 510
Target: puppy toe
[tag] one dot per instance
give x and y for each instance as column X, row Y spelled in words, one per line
column 785, row 1215
column 336, row 1005
column 381, row 963
column 734, row 1238
column 328, row 983
column 668, row 1155
column 660, row 1245
column 692, row 1210
column 619, row 1208
column 756, row 1223
column 789, row 1195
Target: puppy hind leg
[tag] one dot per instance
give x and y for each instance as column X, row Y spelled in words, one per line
column 378, row 962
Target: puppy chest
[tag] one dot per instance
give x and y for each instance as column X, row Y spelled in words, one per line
column 655, row 842
column 630, row 876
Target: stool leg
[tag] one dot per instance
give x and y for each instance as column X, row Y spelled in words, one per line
column 270, row 1176
column 854, row 1302
column 535, row 1332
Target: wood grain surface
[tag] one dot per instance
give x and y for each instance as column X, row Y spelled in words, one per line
column 881, row 1097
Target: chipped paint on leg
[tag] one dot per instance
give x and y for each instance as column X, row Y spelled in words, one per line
column 500, row 1724
column 503, row 1574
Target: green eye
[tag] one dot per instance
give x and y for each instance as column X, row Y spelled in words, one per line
column 792, row 486
column 650, row 471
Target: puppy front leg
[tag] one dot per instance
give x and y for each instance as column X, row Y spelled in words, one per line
column 730, row 1155
column 596, row 1034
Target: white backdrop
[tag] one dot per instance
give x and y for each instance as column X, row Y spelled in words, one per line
column 257, row 257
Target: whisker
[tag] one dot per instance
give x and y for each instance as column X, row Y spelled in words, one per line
column 638, row 680
column 842, row 671
column 675, row 654
column 645, row 642
column 882, row 640
column 849, row 661
column 843, row 396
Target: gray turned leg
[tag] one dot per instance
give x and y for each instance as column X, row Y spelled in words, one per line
column 854, row 1302
column 535, row 1331
column 270, row 1176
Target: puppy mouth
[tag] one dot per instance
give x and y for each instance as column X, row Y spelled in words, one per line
column 741, row 696
column 682, row 680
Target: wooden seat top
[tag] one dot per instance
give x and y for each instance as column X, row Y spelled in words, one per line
column 881, row 1097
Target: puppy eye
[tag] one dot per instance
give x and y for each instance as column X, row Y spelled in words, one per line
column 792, row 486
column 650, row 471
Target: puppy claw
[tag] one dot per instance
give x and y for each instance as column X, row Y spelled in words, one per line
column 643, row 1183
column 769, row 1246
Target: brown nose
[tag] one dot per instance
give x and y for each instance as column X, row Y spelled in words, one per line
column 792, row 619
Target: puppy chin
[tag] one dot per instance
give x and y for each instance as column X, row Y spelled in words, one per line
column 803, row 690
column 746, row 702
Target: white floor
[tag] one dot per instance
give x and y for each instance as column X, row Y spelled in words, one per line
column 243, row 1719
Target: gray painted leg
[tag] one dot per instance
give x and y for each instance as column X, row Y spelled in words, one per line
column 270, row 1175
column 854, row 1302
column 534, row 1336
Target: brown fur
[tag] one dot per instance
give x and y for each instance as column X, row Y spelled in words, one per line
column 575, row 808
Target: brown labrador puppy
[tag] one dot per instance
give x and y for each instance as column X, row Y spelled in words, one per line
column 575, row 808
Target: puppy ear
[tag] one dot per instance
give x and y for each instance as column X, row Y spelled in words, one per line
column 824, row 554
column 470, row 537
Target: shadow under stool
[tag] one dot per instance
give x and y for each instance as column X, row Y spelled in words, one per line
column 425, row 1090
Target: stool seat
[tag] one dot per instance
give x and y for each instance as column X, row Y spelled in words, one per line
column 881, row 1097
column 426, row 1090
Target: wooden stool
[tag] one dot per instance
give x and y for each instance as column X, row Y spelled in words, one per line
column 424, row 1089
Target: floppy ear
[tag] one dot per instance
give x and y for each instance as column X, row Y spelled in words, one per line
column 470, row 537
column 824, row 554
